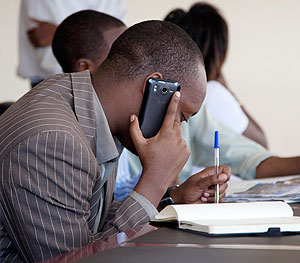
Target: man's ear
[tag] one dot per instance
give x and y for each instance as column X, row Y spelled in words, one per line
column 84, row 64
column 154, row 75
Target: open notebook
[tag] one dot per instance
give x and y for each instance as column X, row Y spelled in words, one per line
column 230, row 218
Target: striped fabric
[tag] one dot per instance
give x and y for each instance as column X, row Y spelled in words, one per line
column 49, row 176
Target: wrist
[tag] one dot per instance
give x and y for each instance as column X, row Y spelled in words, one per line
column 174, row 194
column 167, row 198
column 150, row 189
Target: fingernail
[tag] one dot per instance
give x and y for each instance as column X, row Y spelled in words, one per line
column 177, row 94
column 222, row 177
column 203, row 199
column 206, row 194
column 132, row 117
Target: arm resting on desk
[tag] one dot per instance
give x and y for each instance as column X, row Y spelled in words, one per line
column 276, row 166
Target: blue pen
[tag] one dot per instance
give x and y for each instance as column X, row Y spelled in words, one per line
column 217, row 163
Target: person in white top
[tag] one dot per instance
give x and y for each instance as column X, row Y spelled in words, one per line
column 38, row 22
column 204, row 23
column 231, row 115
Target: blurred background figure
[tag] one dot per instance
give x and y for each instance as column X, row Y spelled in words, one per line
column 205, row 24
column 38, row 22
column 83, row 40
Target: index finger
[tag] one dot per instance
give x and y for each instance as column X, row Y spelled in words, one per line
column 171, row 111
column 211, row 180
column 212, row 170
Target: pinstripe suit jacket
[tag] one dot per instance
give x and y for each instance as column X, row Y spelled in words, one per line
column 49, row 175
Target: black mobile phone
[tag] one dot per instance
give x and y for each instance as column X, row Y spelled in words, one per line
column 157, row 96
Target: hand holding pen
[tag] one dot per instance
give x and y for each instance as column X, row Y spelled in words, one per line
column 200, row 187
column 207, row 186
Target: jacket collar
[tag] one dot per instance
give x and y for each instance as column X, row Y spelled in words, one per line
column 91, row 117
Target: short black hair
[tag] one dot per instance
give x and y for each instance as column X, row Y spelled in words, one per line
column 81, row 36
column 154, row 46
column 205, row 24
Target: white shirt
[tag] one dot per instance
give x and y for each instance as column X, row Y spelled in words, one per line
column 40, row 63
column 225, row 108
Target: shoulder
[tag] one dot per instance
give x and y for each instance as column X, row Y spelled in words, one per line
column 217, row 96
column 215, row 88
column 48, row 107
column 225, row 107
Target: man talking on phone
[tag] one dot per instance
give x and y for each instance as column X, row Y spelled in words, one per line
column 73, row 48
column 60, row 144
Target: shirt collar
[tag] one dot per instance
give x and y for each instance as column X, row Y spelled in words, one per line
column 107, row 147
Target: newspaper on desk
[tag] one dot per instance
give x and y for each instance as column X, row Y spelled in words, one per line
column 281, row 189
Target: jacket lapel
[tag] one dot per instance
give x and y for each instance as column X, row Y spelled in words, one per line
column 108, row 197
column 84, row 106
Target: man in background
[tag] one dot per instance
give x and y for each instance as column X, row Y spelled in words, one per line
column 83, row 40
column 38, row 22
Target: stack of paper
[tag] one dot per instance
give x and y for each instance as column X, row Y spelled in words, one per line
column 282, row 189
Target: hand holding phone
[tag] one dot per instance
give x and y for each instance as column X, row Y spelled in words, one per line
column 162, row 156
column 157, row 96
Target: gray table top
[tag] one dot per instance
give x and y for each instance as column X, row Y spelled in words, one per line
column 171, row 245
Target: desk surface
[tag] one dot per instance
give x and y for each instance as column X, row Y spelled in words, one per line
column 150, row 244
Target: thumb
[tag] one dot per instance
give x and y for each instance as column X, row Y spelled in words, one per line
column 135, row 132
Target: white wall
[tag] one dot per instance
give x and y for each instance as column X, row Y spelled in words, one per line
column 262, row 67
column 12, row 86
